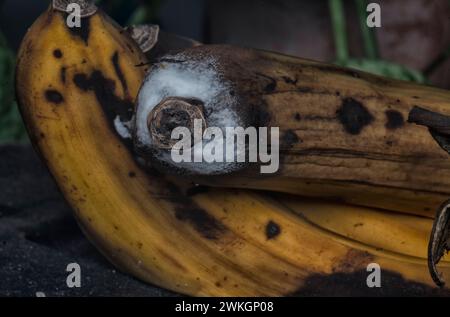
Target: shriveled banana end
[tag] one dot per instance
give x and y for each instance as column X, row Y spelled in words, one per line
column 183, row 94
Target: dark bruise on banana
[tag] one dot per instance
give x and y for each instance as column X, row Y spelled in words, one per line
column 333, row 121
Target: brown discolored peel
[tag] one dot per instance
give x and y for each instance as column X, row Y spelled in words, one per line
column 343, row 133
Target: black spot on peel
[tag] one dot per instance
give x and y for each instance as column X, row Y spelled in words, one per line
column 197, row 189
column 119, row 73
column 132, row 174
column 271, row 87
column 83, row 31
column 208, row 226
column 353, row 116
column 298, row 117
column 338, row 70
column 104, row 90
column 394, row 119
column 57, row 53
column 63, row 74
column 54, row 96
column 272, row 230
column 82, row 81
column 187, row 210
column 290, row 81
column 289, row 139
column 105, row 93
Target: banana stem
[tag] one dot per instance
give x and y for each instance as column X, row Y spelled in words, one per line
column 439, row 242
column 339, row 32
column 87, row 7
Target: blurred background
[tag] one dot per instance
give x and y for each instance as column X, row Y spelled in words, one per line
column 412, row 44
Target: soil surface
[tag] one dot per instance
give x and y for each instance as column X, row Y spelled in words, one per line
column 39, row 238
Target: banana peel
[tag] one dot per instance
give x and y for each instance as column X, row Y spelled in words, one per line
column 72, row 86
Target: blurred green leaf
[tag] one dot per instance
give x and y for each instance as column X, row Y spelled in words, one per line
column 371, row 64
column 438, row 61
column 145, row 13
column 337, row 15
column 139, row 16
column 11, row 124
column 368, row 34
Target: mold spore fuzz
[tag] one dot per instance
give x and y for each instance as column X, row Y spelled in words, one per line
column 188, row 77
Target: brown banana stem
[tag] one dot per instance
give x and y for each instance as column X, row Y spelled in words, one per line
column 146, row 35
column 87, row 7
column 439, row 241
column 439, row 126
column 435, row 121
column 156, row 43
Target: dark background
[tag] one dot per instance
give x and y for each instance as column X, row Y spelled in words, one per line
column 38, row 236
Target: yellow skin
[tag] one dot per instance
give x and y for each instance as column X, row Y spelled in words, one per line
column 212, row 243
column 400, row 233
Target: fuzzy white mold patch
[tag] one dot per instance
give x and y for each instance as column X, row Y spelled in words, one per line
column 179, row 76
column 123, row 128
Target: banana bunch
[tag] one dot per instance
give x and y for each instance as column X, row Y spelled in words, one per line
column 77, row 89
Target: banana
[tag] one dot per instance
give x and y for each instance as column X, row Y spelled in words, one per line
column 343, row 133
column 395, row 232
column 76, row 90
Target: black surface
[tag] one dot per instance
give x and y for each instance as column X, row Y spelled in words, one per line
column 39, row 238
